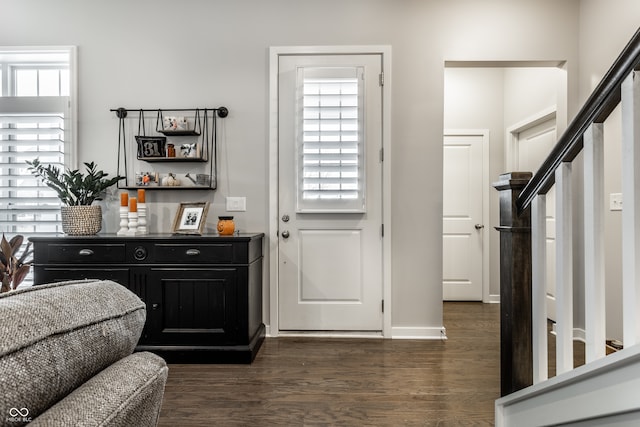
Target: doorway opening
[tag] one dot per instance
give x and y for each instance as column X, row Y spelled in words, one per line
column 496, row 97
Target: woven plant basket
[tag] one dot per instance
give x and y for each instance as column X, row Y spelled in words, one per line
column 81, row 220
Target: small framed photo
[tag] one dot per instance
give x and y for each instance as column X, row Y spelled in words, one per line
column 190, row 218
column 175, row 124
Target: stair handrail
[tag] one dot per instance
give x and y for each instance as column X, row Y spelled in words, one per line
column 602, row 101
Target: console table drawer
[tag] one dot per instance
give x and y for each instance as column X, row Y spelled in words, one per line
column 170, row 253
column 86, row 254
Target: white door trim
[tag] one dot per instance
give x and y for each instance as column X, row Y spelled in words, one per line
column 486, row 184
column 272, row 237
column 511, row 147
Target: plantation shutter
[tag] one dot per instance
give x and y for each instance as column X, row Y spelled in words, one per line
column 30, row 127
column 330, row 139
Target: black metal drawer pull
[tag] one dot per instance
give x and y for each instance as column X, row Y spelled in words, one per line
column 85, row 252
column 193, row 252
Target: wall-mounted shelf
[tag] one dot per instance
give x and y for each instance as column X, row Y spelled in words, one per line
column 181, row 148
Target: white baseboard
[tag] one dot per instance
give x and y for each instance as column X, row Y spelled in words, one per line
column 407, row 333
column 419, row 333
column 493, row 299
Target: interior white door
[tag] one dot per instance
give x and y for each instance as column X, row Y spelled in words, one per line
column 533, row 146
column 330, row 193
column 462, row 223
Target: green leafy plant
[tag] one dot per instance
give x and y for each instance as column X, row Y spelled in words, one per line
column 73, row 187
column 13, row 270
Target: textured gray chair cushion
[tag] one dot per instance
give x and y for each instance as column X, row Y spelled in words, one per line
column 54, row 338
column 127, row 393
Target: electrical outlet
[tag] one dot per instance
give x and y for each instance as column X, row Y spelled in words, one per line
column 615, row 201
column 236, row 204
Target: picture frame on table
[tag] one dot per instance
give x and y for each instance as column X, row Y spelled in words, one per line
column 190, row 218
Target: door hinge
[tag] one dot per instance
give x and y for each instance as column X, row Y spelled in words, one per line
column 383, row 306
column 381, row 79
column 381, row 230
column 382, row 155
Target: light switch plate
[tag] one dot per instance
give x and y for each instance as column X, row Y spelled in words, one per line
column 236, row 204
column 615, row 201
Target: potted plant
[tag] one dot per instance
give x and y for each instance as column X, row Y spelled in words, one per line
column 13, row 270
column 77, row 192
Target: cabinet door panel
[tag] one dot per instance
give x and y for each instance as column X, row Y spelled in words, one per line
column 197, row 306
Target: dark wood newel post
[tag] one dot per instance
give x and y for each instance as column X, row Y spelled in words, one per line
column 516, row 354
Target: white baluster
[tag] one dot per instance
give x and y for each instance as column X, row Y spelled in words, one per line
column 631, row 209
column 595, row 318
column 539, row 287
column 564, row 270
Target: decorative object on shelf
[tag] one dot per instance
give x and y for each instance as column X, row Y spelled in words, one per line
column 188, row 136
column 145, row 179
column 13, row 270
column 124, row 214
column 77, row 192
column 190, row 218
column 151, row 146
column 189, row 150
column 175, row 124
column 226, row 226
column 179, row 125
column 171, row 180
column 203, row 179
column 142, row 212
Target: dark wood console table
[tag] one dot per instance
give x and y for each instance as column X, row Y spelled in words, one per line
column 203, row 293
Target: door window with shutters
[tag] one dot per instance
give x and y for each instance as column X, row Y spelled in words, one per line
column 331, row 173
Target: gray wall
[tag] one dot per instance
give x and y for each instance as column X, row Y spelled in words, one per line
column 209, row 52
column 605, row 28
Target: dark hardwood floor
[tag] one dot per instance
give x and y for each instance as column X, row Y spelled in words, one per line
column 350, row 382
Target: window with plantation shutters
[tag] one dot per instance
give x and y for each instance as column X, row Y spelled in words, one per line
column 30, row 128
column 35, row 121
column 330, row 140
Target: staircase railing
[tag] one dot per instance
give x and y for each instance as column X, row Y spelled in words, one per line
column 523, row 234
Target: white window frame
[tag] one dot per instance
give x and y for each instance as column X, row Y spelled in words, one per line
column 13, row 58
column 8, row 55
column 343, row 201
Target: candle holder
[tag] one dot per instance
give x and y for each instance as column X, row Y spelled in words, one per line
column 142, row 219
column 133, row 224
column 124, row 221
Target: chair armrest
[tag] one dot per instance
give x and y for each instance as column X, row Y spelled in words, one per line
column 127, row 393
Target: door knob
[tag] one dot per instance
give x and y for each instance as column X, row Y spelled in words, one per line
column 479, row 226
column 285, row 234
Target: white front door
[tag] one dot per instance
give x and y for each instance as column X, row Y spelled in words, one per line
column 533, row 145
column 462, row 224
column 330, row 274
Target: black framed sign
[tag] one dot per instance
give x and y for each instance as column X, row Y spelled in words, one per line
column 151, row 146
